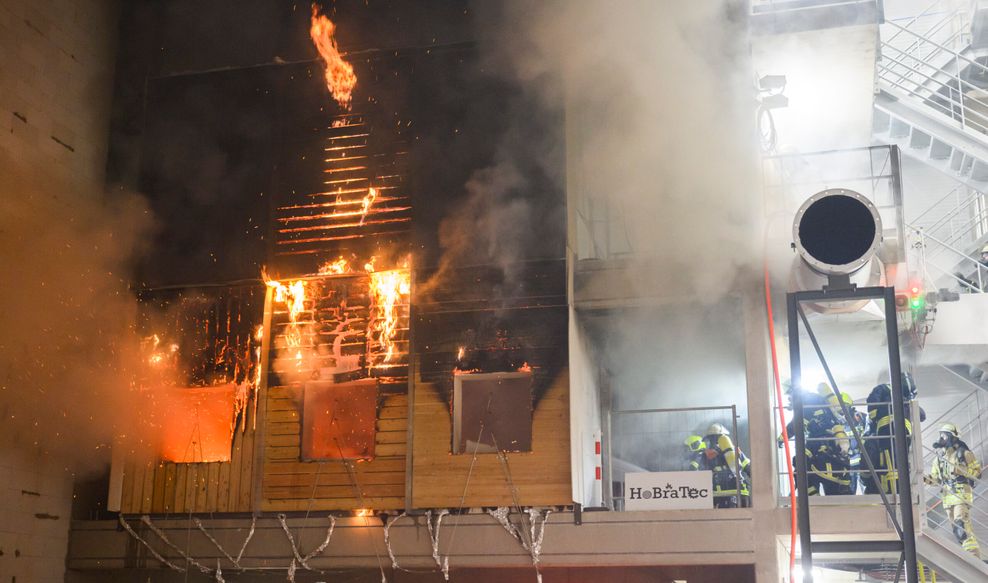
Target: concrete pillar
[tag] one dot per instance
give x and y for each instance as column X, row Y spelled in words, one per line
column 762, row 439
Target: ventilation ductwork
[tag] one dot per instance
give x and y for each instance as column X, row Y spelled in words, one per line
column 837, row 233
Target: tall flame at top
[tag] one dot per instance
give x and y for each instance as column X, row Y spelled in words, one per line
column 340, row 78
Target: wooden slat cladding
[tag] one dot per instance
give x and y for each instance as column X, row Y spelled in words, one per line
column 537, row 478
column 289, row 484
column 154, row 487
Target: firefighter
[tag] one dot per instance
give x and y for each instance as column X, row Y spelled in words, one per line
column 724, row 461
column 879, row 444
column 956, row 470
column 698, row 460
column 695, row 453
column 860, row 422
column 827, row 445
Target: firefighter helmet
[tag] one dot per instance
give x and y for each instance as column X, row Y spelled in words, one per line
column 823, row 389
column 846, row 398
column 984, row 249
column 717, row 429
column 694, row 443
column 950, row 429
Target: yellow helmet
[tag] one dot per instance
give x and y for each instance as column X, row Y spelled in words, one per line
column 949, row 428
column 823, row 389
column 846, row 398
column 984, row 249
column 694, row 443
column 717, row 429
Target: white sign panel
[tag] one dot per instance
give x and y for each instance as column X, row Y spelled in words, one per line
column 668, row 490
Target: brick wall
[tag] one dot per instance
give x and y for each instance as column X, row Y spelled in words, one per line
column 56, row 73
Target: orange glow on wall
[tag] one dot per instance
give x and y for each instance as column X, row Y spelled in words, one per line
column 339, row 420
column 196, row 423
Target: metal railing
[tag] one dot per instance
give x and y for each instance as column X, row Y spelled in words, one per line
column 970, row 415
column 941, row 22
column 935, row 75
column 653, row 440
column 862, row 473
column 936, row 253
column 959, row 218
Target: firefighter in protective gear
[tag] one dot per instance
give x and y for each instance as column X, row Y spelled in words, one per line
column 860, row 422
column 730, row 489
column 827, row 445
column 956, row 470
column 880, row 446
column 695, row 453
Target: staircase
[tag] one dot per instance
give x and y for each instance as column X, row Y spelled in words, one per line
column 937, row 545
column 931, row 98
column 948, row 238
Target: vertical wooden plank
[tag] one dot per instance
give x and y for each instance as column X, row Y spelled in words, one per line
column 148, row 491
column 158, row 499
column 127, row 494
column 135, row 501
column 259, row 426
column 203, row 489
column 235, row 455
column 181, row 479
column 246, row 471
column 212, row 487
column 223, row 488
column 191, row 487
column 171, row 485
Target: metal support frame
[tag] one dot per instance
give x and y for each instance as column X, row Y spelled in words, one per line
column 904, row 524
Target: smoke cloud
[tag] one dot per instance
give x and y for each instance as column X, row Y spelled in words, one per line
column 661, row 172
column 68, row 348
column 659, row 113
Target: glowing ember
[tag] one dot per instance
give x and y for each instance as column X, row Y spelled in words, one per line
column 364, row 512
column 460, row 353
column 369, row 266
column 389, row 291
column 340, row 78
column 367, row 202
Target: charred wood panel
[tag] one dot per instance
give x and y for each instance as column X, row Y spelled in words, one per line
column 290, row 484
column 537, row 478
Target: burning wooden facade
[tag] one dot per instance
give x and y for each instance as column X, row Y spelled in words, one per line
column 369, row 316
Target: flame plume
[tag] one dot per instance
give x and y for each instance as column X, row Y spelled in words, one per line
column 293, row 296
column 340, row 78
column 389, row 291
column 366, row 203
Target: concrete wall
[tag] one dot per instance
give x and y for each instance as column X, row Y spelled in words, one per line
column 55, row 96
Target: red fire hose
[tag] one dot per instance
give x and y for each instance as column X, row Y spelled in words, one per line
column 794, row 528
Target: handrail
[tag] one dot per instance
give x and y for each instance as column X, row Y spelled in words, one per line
column 937, row 27
column 925, row 12
column 948, row 112
column 950, row 411
column 922, row 233
column 935, row 204
column 961, row 82
column 938, row 45
column 973, row 288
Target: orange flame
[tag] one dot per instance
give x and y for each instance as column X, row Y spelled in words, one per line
column 389, row 290
column 340, row 78
column 338, row 267
column 293, row 296
column 367, row 202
